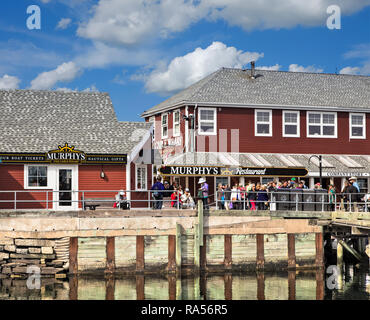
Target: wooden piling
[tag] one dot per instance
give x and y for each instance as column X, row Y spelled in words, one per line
column 260, row 286
column 110, row 252
column 291, row 284
column 109, row 287
column 196, row 248
column 73, row 255
column 203, row 254
column 178, row 288
column 339, row 254
column 320, row 285
column 260, row 251
column 291, row 251
column 172, row 287
column 228, row 280
column 319, row 250
column 228, row 251
column 178, row 248
column 200, row 222
column 73, row 287
column 140, row 284
column 171, row 253
column 140, row 263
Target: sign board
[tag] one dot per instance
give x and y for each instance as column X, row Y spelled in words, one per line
column 63, row 155
column 236, row 171
column 345, row 174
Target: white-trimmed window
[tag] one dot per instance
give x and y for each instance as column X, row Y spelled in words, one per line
column 263, row 123
column 207, row 121
column 291, row 126
column 321, row 124
column 141, row 177
column 35, row 177
column 357, row 126
column 176, row 123
column 164, row 125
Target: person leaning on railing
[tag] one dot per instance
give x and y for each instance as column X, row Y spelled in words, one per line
column 157, row 192
column 331, row 193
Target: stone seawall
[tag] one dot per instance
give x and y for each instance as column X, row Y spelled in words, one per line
column 51, row 256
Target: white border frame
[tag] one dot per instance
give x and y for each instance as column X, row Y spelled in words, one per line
column 146, row 177
column 255, row 123
column 49, row 177
column 335, row 136
column 214, row 121
column 162, row 136
column 298, row 134
column 173, row 123
column 363, row 126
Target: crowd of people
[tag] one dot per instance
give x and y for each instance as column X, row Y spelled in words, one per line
column 163, row 193
column 252, row 196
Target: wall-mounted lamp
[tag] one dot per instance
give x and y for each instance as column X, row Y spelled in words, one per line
column 102, row 174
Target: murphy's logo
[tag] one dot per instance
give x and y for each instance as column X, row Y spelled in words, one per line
column 65, row 154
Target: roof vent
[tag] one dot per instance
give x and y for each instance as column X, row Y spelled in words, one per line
column 253, row 65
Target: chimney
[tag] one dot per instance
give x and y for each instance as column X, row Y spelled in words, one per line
column 253, row 65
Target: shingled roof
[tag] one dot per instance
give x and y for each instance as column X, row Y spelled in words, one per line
column 235, row 87
column 39, row 121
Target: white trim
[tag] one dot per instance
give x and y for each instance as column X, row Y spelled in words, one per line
column 260, row 106
column 49, row 183
column 186, row 130
column 269, row 123
column 214, row 122
column 142, row 166
column 140, row 145
column 128, row 178
column 363, row 125
column 321, row 124
column 297, row 135
column 174, row 123
column 54, row 169
column 162, row 136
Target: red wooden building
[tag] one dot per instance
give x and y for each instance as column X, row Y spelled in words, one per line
column 57, row 147
column 268, row 119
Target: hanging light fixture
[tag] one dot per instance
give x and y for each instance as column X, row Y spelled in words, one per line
column 102, row 174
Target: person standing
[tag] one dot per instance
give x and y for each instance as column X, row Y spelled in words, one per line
column 345, row 194
column 204, row 191
column 331, row 198
column 252, row 196
column 227, row 197
column 352, row 195
column 157, row 192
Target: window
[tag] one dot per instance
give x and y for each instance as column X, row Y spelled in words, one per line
column 141, row 178
column 321, row 125
column 176, row 123
column 263, row 123
column 207, row 121
column 291, row 124
column 357, row 126
column 164, row 125
column 363, row 184
column 37, row 176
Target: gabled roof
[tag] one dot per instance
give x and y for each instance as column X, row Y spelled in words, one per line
column 39, row 121
column 235, row 87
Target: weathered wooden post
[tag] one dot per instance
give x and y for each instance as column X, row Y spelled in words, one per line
column 203, row 254
column 260, row 286
column 196, row 248
column 339, row 254
column 110, row 252
column 291, row 284
column 172, row 287
column 73, row 287
column 178, row 248
column 73, row 255
column 140, row 263
column 171, row 254
column 319, row 250
column 200, row 222
column 320, row 285
column 228, row 280
column 140, row 284
column 109, row 287
column 178, row 288
column 291, row 251
column 260, row 251
column 228, row 251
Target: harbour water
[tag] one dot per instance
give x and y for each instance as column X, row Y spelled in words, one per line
column 350, row 284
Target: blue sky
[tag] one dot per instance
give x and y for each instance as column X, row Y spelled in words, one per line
column 142, row 51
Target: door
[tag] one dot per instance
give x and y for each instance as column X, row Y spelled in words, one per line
column 66, row 194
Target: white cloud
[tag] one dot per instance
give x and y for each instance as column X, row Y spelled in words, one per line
column 92, row 88
column 183, row 71
column 132, row 21
column 9, row 82
column 63, row 73
column 63, row 23
column 45, row 1
column 297, row 68
column 350, row 70
column 276, row 67
column 361, row 52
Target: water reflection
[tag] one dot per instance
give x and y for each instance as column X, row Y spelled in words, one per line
column 353, row 284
